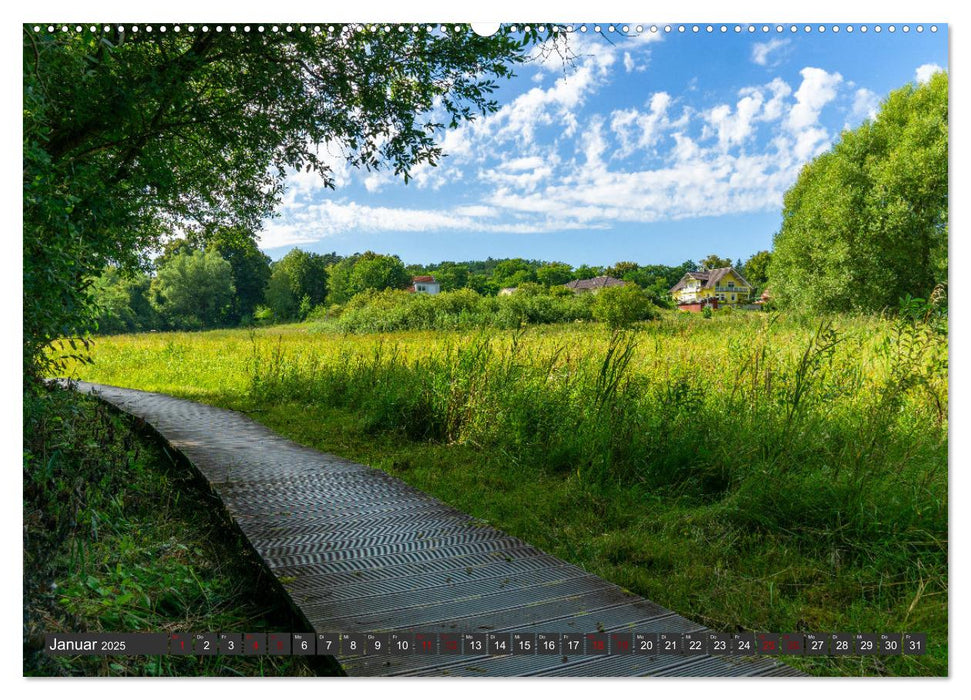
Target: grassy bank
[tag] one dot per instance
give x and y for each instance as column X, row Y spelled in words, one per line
column 118, row 538
column 751, row 472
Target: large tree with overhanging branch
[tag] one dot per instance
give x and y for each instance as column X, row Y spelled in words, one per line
column 129, row 136
column 866, row 223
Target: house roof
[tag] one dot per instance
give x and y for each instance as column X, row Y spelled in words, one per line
column 423, row 278
column 595, row 283
column 708, row 278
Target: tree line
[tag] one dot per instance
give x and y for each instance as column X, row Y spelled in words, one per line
column 224, row 280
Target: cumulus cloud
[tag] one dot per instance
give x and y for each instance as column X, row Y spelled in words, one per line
column 818, row 89
column 775, row 105
column 302, row 184
column 762, row 52
column 735, row 127
column 865, row 104
column 924, row 72
column 555, row 105
column 522, row 173
column 660, row 158
column 636, row 129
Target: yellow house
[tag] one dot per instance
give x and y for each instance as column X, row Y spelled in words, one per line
column 723, row 283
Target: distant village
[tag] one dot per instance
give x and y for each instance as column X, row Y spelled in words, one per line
column 695, row 291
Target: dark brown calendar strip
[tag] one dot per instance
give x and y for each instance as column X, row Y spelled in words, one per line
column 565, row 644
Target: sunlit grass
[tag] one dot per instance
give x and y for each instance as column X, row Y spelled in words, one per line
column 749, row 471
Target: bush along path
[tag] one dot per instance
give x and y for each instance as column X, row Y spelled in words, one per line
column 359, row 551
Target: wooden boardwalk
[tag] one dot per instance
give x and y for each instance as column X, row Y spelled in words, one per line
column 358, row 551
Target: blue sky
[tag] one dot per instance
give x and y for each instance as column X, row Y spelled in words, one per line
column 654, row 147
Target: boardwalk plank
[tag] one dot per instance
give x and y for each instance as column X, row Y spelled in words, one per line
column 358, row 550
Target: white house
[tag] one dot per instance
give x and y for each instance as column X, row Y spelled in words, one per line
column 425, row 284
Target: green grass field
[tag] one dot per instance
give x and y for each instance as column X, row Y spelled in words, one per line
column 750, row 471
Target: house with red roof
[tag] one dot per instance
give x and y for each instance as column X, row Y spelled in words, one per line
column 424, row 284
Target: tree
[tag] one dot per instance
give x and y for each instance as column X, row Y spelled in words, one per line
column 513, row 272
column 122, row 302
column 171, row 248
column 128, row 136
column 339, row 280
column 194, row 290
column 620, row 269
column 452, row 276
column 713, row 261
column 251, row 268
column 554, row 274
column 585, row 272
column 378, row 272
column 756, row 270
column 280, row 297
column 483, row 285
column 298, row 281
column 364, row 271
column 866, row 223
column 620, row 307
column 308, row 274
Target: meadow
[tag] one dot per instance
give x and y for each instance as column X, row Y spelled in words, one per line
column 751, row 471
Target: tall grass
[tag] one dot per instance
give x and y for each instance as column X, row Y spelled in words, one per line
column 842, row 434
column 809, row 452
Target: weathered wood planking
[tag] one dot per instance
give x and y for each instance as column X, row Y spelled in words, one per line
column 357, row 550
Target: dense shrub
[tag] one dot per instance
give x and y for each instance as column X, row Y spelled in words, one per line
column 620, row 307
column 393, row 310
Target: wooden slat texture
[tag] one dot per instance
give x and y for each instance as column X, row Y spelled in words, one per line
column 359, row 551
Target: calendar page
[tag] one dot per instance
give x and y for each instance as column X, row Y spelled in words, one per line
column 445, row 349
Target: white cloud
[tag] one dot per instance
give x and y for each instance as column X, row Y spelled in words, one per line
column 375, row 182
column 520, row 164
column 663, row 158
column 776, row 104
column 865, row 104
column 314, row 222
column 736, row 127
column 761, row 52
column 556, row 105
column 525, row 174
column 810, row 143
column 924, row 72
column 304, row 183
column 818, row 89
column 636, row 129
column 632, row 65
column 476, row 210
column 594, row 145
column 685, row 149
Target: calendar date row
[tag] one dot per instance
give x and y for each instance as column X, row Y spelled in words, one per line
column 487, row 643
